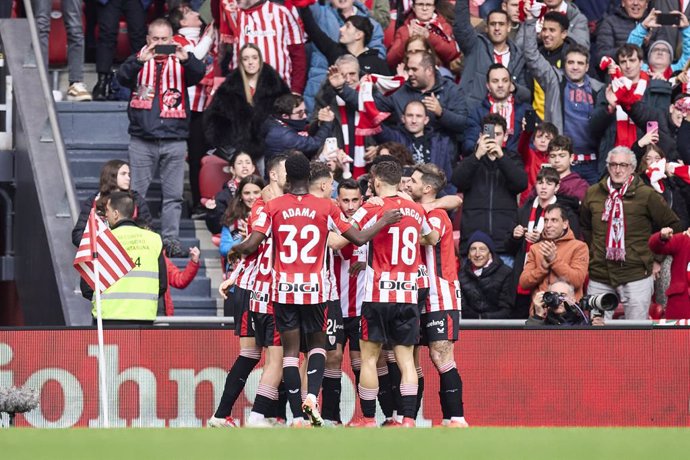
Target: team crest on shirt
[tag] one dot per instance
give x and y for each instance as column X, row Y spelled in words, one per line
column 331, row 339
column 172, row 98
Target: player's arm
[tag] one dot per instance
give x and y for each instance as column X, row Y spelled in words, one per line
column 336, row 242
column 249, row 245
column 430, row 239
column 447, row 202
column 359, row 238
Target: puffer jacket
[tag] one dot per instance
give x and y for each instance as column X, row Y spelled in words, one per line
column 489, row 295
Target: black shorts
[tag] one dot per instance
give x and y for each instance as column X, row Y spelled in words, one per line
column 243, row 321
column 307, row 318
column 351, row 332
column 265, row 330
column 334, row 327
column 422, row 296
column 439, row 325
column 392, row 323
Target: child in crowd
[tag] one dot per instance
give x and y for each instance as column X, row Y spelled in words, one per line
column 536, row 154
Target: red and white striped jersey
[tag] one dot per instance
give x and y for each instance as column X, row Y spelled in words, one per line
column 331, row 281
column 199, row 93
column 260, row 293
column 246, row 275
column 392, row 261
column 442, row 263
column 271, row 27
column 351, row 287
column 299, row 225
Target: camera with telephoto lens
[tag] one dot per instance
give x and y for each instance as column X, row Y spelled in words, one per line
column 596, row 304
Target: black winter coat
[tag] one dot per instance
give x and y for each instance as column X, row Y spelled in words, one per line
column 488, row 296
column 490, row 189
column 141, row 211
column 232, row 123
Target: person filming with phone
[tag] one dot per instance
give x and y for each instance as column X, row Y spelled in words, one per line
column 490, row 178
column 159, row 116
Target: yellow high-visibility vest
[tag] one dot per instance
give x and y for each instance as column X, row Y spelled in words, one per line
column 135, row 295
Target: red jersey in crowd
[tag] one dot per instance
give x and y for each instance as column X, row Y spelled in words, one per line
column 299, row 225
column 392, row 260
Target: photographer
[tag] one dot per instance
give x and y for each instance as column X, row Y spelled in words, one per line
column 560, row 308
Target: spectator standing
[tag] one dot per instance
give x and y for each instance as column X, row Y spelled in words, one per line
column 71, row 15
column 614, row 29
column 578, row 29
column 660, row 56
column 424, row 21
column 617, row 217
column 442, row 98
column 561, row 156
column 485, row 281
column 187, row 27
column 159, row 122
column 558, row 256
column 109, row 12
column 534, row 158
column 133, row 299
column 234, row 120
column 500, row 99
column 491, row 178
column 330, row 20
column 512, row 7
column 426, row 145
column 482, row 50
column 114, row 178
column 568, row 93
column 275, row 30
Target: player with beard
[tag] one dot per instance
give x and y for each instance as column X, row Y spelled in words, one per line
column 299, row 224
column 439, row 319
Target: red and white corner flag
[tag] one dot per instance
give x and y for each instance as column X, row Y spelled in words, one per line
column 101, row 260
column 114, row 262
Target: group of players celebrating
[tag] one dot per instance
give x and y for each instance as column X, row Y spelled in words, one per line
column 318, row 274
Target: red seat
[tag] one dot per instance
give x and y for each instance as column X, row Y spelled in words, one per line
column 57, row 40
column 213, row 175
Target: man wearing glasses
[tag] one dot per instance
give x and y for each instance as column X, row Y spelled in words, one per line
column 617, row 217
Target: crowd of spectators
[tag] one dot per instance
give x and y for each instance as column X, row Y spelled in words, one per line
column 564, row 125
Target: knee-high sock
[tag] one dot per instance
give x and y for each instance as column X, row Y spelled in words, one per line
column 236, row 379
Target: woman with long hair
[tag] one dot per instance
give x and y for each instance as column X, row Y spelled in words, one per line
column 114, row 177
column 241, row 166
column 235, row 217
column 426, row 21
column 241, row 104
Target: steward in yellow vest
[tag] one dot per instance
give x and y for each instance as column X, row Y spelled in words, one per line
column 134, row 297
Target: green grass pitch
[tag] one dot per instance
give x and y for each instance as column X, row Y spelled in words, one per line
column 355, row 444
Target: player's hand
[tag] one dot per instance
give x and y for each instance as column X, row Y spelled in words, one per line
column 392, row 216
column 335, row 78
column 404, row 195
column 356, row 267
column 224, row 287
column 194, row 254
column 375, row 201
column 666, row 233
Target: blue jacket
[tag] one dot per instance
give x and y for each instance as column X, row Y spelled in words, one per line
column 441, row 148
column 473, row 127
column 330, row 21
column 279, row 137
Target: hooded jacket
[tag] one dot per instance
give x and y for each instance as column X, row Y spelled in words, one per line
column 571, row 265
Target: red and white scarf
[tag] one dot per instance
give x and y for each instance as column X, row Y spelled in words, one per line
column 656, row 172
column 171, row 87
column 537, row 9
column 563, row 9
column 680, row 171
column 614, row 215
column 506, row 109
column 627, row 94
column 368, row 118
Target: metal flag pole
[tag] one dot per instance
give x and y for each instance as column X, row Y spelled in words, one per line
column 99, row 323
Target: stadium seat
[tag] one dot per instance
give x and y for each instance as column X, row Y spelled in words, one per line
column 212, row 176
column 57, row 48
